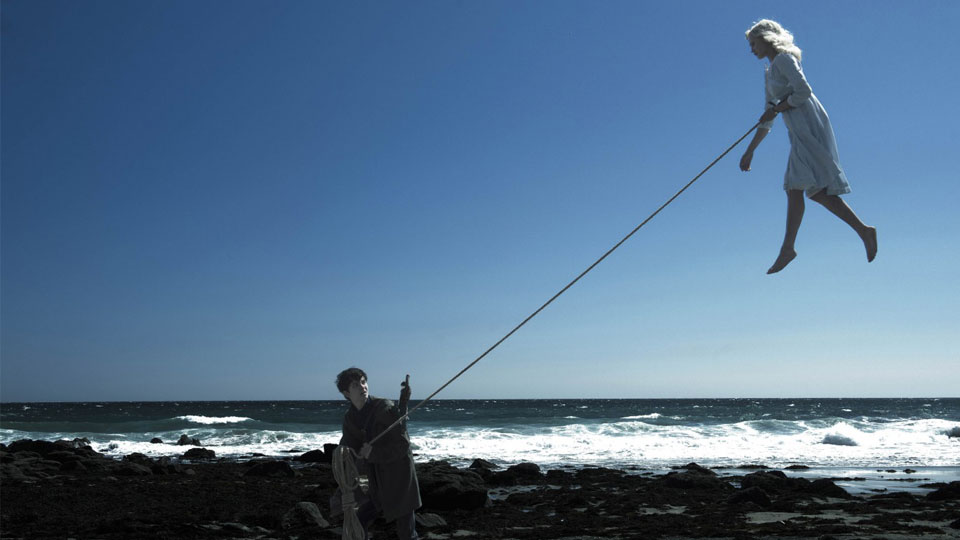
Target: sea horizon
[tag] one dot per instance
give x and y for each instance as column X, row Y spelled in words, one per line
column 414, row 401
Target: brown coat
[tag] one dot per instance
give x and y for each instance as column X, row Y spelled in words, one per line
column 393, row 478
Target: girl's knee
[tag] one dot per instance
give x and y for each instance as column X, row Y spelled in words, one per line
column 822, row 197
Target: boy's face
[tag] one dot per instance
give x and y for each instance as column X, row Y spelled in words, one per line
column 357, row 392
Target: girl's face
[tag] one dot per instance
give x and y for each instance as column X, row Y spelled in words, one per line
column 759, row 47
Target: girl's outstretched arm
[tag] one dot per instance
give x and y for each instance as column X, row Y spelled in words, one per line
column 754, row 143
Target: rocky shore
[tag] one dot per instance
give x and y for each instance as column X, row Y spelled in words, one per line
column 66, row 489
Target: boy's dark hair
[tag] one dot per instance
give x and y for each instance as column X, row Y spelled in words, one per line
column 347, row 376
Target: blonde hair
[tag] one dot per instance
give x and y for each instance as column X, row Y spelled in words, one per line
column 777, row 36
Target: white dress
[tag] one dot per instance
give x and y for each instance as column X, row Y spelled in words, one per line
column 814, row 163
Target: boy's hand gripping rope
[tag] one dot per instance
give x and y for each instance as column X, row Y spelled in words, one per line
column 563, row 290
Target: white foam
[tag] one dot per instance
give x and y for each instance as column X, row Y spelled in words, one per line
column 208, row 420
column 906, row 443
column 268, row 443
column 629, row 441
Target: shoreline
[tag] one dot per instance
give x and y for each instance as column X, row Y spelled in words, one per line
column 856, row 479
column 66, row 489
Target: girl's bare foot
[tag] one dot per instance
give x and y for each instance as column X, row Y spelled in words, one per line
column 870, row 242
column 782, row 261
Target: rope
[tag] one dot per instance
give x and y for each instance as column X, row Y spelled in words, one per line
column 345, row 472
column 563, row 290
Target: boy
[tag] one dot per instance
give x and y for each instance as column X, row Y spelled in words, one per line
column 393, row 487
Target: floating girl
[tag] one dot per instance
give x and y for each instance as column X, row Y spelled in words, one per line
column 814, row 165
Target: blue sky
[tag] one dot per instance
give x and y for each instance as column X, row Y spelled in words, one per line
column 235, row 200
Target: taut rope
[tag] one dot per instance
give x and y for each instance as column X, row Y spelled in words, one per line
column 563, row 290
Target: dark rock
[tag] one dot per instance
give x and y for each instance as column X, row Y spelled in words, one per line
column 430, row 521
column 952, row 432
column 769, row 481
column 526, row 470
column 570, row 500
column 11, row 473
column 753, row 466
column 164, row 465
column 519, row 474
column 838, row 440
column 694, row 479
column 314, row 456
column 236, row 528
column 486, row 471
column 85, row 458
column 64, row 456
column 39, row 447
column 599, row 503
column 693, row 467
column 328, row 449
column 139, row 459
column 445, row 487
column 272, row 468
column 556, row 476
column 127, row 468
column 88, row 452
column 78, row 442
column 753, row 494
column 777, row 483
column 798, row 468
column 199, row 453
column 186, row 440
column 47, row 465
column 826, row 488
column 304, row 514
column 949, row 492
column 156, row 440
column 41, row 459
column 597, row 474
column 483, row 464
column 526, row 499
column 74, row 467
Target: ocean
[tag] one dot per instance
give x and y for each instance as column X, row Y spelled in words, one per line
column 616, row 433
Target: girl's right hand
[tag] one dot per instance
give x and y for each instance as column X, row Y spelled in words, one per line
column 746, row 160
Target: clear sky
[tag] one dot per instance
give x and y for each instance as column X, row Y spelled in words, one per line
column 235, row 200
